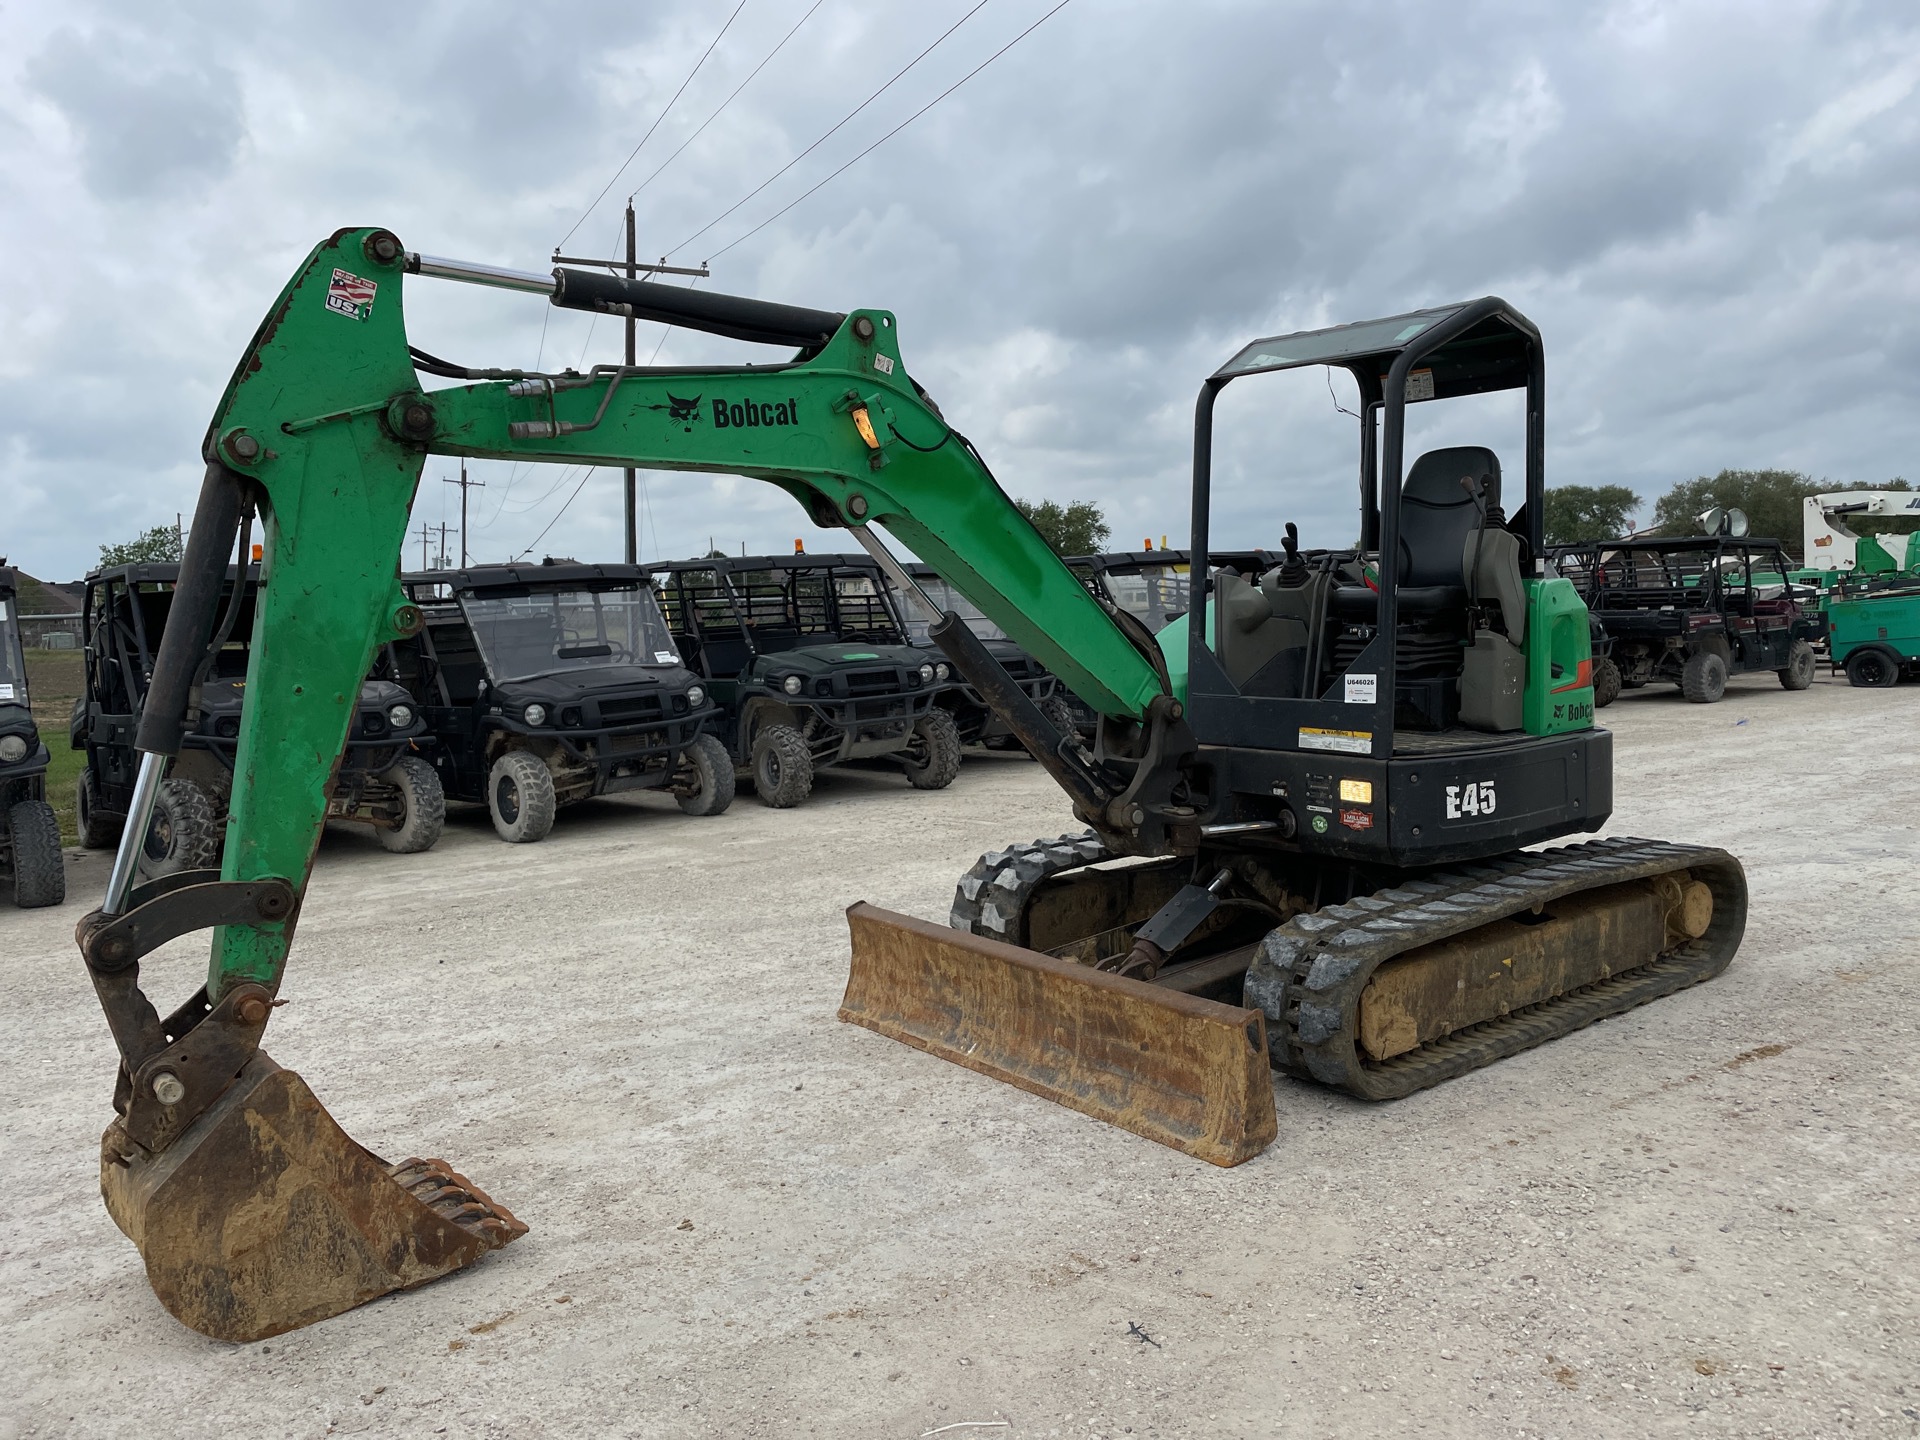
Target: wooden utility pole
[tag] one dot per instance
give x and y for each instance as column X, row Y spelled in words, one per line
column 465, row 485
column 633, row 520
column 426, row 530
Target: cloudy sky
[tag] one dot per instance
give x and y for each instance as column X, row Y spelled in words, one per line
column 1711, row 210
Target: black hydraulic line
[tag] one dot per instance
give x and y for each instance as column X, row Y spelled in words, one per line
column 734, row 316
column 1013, row 705
column 190, row 618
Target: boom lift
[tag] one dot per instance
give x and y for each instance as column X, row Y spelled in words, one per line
column 1319, row 781
column 1831, row 545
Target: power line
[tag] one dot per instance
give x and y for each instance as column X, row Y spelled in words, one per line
column 656, row 122
column 898, row 128
column 563, row 510
column 728, row 101
column 843, row 120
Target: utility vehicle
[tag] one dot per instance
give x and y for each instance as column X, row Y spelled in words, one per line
column 30, row 855
column 1309, row 803
column 548, row 684
column 810, row 664
column 977, row 721
column 1694, row 611
column 382, row 781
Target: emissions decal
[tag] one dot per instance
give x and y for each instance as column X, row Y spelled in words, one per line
column 351, row 295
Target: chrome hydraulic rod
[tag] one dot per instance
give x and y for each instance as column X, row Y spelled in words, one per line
column 146, row 790
column 472, row 272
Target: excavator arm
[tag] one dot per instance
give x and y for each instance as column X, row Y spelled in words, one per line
column 322, row 434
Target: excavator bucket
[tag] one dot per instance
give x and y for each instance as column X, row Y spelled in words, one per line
column 1188, row 1072
column 264, row 1216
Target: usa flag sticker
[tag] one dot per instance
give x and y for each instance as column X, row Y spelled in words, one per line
column 350, row 295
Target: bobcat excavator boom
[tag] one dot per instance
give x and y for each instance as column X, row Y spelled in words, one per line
column 1111, row 987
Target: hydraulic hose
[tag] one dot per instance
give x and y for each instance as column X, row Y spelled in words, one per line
column 190, row 618
column 1026, row 719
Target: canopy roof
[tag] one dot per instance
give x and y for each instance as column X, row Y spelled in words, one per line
column 1491, row 355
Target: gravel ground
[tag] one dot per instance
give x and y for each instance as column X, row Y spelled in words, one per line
column 751, row 1220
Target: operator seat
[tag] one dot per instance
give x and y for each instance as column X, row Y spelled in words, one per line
column 1437, row 519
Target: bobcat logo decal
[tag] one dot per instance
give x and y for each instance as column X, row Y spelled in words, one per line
column 680, row 410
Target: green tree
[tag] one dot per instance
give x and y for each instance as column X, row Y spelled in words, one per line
column 1077, row 528
column 1588, row 512
column 158, row 545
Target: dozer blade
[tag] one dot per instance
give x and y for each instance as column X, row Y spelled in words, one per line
column 1188, row 1072
column 264, row 1216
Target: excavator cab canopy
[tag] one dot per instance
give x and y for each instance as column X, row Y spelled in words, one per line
column 1492, row 353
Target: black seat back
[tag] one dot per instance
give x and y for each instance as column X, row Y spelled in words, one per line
column 1437, row 514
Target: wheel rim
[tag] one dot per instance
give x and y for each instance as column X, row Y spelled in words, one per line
column 506, row 799
column 770, row 764
column 159, row 838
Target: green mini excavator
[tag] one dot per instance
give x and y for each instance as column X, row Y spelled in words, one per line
column 1306, row 803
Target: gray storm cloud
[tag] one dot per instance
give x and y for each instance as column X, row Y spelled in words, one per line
column 1710, row 209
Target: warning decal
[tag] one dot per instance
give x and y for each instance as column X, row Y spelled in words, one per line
column 1347, row 742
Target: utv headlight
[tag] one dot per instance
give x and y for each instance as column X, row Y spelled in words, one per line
column 696, row 696
column 940, row 671
column 400, row 716
column 926, row 674
column 535, row 714
column 13, row 747
column 792, row 684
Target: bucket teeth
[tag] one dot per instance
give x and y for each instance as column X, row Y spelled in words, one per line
column 450, row 1195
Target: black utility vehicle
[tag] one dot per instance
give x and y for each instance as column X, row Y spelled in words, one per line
column 810, row 663
column 1693, row 611
column 381, row 781
column 29, row 833
column 976, row 720
column 546, row 684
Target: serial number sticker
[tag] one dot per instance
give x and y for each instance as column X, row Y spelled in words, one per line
column 1362, row 689
column 1357, row 792
column 1346, row 742
column 665, row 657
column 351, row 295
column 883, row 363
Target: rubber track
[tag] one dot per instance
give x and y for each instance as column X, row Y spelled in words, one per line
column 1308, row 974
column 991, row 898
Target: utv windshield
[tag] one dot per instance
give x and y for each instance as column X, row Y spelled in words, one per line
column 13, row 670
column 525, row 636
column 947, row 598
column 1155, row 594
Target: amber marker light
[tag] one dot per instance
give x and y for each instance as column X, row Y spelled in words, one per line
column 863, row 422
